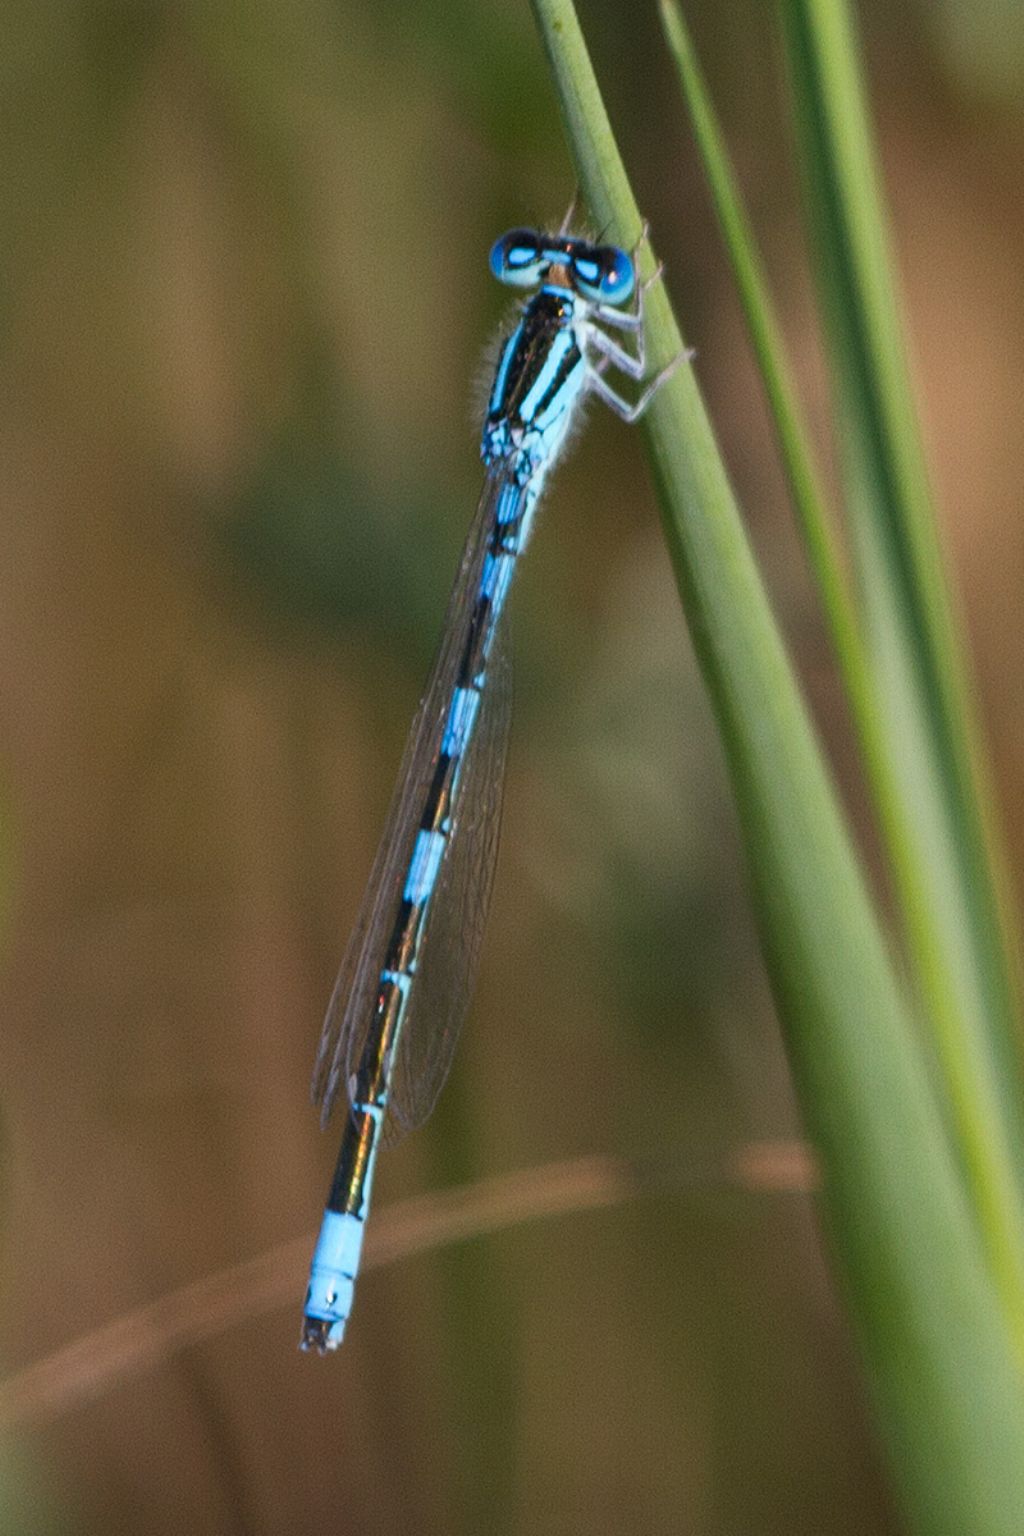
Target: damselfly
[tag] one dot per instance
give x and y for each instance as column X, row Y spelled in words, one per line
column 395, row 1013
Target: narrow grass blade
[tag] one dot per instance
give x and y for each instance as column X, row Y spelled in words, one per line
column 825, row 557
column 956, row 922
column 824, row 554
column 948, row 1394
column 946, row 983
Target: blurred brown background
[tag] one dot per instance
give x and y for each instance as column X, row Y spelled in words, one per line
column 244, row 290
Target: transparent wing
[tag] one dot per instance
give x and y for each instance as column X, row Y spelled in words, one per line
column 453, row 931
column 351, row 1007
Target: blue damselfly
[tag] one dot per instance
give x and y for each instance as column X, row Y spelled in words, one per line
column 398, row 1003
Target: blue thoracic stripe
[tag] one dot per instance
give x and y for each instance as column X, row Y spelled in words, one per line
column 504, row 364
column 543, row 372
column 561, row 344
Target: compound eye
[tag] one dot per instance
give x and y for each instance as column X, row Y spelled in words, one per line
column 518, row 258
column 603, row 274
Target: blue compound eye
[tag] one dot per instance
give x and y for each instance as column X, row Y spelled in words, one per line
column 603, row 273
column 518, row 258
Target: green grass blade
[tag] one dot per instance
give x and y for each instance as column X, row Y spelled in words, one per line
column 955, row 917
column 823, row 552
column 934, row 1338
column 931, row 920
column 766, row 335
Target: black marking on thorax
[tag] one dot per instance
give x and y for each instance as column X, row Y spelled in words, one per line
column 547, row 314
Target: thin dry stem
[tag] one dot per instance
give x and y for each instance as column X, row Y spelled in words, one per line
column 98, row 1361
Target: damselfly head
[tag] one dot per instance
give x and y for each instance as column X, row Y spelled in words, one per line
column 602, row 274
